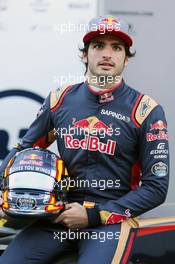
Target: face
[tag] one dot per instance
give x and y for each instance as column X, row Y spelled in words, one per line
column 106, row 56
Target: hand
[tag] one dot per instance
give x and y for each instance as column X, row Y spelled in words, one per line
column 74, row 216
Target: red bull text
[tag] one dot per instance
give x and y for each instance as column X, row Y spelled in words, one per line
column 91, row 143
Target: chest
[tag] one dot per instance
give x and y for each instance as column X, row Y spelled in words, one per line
column 104, row 128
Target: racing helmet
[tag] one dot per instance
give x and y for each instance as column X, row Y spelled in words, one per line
column 35, row 183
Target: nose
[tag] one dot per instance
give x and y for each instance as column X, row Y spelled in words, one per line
column 107, row 53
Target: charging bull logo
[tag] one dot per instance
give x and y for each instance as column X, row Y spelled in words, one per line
column 118, row 218
column 91, row 126
column 33, row 157
column 158, row 125
column 110, row 20
column 110, row 24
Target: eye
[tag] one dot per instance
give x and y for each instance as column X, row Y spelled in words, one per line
column 117, row 47
column 98, row 45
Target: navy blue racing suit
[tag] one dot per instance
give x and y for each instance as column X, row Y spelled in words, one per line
column 114, row 145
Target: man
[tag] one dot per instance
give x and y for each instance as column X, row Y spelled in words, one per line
column 107, row 134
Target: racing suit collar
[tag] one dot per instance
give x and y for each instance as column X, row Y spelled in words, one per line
column 106, row 95
column 100, row 91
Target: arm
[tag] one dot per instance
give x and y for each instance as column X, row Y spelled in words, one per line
column 154, row 181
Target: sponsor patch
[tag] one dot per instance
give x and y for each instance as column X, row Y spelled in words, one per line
column 161, row 146
column 92, row 124
column 56, row 95
column 160, row 152
column 116, row 115
column 145, row 105
column 160, row 156
column 90, row 143
column 142, row 108
column 159, row 169
column 31, row 162
column 106, row 97
column 162, row 135
column 158, row 125
column 115, row 218
column 33, row 156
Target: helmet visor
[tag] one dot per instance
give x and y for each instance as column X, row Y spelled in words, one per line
column 31, row 180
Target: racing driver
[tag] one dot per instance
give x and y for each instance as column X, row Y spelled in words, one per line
column 106, row 132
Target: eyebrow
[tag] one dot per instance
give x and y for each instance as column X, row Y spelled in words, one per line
column 102, row 42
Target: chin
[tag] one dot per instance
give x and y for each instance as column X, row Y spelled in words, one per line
column 105, row 73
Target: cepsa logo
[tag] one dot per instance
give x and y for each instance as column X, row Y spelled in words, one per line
column 90, row 127
column 18, row 109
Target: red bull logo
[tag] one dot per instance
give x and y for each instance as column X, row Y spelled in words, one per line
column 33, row 157
column 158, row 125
column 110, row 20
column 31, row 162
column 92, row 125
column 90, row 143
column 116, row 218
column 100, row 126
column 83, row 123
column 109, row 24
column 160, row 136
column 107, row 97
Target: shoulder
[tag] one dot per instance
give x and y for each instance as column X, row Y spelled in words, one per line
column 143, row 105
column 57, row 95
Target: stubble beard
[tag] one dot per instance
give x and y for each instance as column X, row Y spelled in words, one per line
column 104, row 79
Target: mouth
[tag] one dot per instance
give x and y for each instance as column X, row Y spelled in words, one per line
column 106, row 65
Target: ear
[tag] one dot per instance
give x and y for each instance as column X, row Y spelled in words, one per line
column 84, row 57
column 126, row 61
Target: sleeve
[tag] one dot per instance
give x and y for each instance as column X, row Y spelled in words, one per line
column 40, row 133
column 154, row 161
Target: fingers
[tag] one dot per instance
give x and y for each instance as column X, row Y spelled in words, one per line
column 60, row 218
column 71, row 205
column 68, row 206
column 67, row 217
